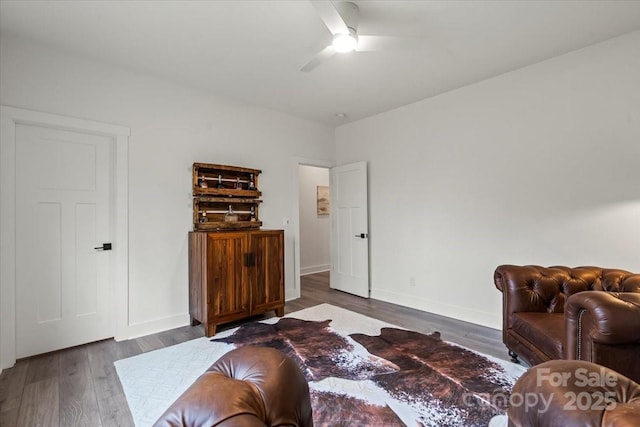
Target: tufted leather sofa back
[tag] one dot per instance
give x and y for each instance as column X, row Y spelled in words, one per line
column 535, row 288
column 247, row 387
column 553, row 406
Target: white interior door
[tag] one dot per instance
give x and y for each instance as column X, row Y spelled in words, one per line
column 350, row 229
column 63, row 196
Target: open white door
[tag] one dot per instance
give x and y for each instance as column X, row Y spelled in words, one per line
column 350, row 229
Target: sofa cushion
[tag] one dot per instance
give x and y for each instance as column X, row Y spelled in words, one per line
column 546, row 330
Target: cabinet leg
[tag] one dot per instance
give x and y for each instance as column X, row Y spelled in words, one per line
column 280, row 311
column 210, row 329
column 514, row 356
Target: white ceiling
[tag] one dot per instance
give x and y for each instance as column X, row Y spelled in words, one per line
column 253, row 50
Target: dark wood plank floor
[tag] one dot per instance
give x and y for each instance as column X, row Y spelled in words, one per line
column 80, row 387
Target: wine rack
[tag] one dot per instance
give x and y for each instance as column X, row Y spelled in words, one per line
column 225, row 197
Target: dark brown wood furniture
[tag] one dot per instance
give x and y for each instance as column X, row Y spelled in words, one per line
column 235, row 269
column 216, row 188
column 234, row 275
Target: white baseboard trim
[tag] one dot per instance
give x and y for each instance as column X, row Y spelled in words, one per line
column 490, row 320
column 314, row 269
column 141, row 329
column 291, row 294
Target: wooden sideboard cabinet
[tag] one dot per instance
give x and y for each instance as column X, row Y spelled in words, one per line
column 234, row 275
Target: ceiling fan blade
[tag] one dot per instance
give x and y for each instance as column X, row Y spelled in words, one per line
column 377, row 43
column 330, row 16
column 322, row 56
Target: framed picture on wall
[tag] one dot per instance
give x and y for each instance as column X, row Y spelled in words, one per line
column 323, row 200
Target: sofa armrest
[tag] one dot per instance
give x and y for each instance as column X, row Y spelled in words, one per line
column 602, row 317
column 529, row 288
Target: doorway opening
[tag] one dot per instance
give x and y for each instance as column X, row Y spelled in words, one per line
column 314, row 219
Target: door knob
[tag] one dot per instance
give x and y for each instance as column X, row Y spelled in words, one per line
column 362, row 235
column 104, row 247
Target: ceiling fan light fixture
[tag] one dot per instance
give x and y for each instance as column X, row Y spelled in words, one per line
column 344, row 43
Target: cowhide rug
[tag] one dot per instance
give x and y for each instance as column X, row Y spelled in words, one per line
column 397, row 377
column 361, row 372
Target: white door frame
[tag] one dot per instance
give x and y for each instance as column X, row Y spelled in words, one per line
column 9, row 118
column 297, row 162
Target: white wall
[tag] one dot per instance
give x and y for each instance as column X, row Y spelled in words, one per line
column 314, row 228
column 172, row 126
column 537, row 166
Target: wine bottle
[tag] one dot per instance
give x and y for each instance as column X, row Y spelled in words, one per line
column 203, row 182
column 238, row 186
column 231, row 216
column 253, row 214
column 219, row 181
column 252, row 185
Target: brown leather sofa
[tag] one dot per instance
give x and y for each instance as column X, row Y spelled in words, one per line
column 582, row 313
column 566, row 393
column 247, row 387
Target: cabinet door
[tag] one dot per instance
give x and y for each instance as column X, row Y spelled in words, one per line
column 266, row 276
column 228, row 295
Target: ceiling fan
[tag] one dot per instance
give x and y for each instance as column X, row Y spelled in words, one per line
column 342, row 21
